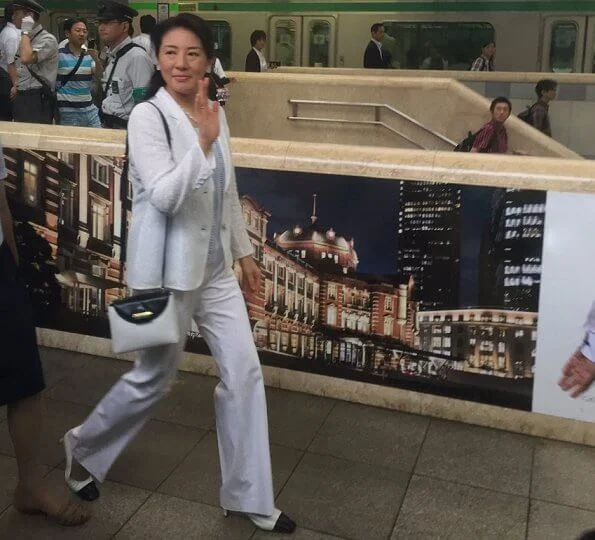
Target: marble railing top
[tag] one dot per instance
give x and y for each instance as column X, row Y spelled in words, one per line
column 496, row 76
column 386, row 163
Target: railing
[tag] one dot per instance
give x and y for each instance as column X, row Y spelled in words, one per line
column 376, row 122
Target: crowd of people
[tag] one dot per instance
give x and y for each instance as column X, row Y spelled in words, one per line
column 73, row 82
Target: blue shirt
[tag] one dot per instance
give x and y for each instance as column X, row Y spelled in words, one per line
column 76, row 93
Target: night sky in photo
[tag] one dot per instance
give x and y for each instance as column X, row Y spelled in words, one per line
column 365, row 209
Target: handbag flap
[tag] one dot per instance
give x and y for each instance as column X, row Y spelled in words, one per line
column 142, row 308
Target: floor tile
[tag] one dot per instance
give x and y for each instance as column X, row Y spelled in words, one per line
column 58, row 418
column 88, row 384
column 190, row 402
column 167, row 517
column 198, row 477
column 294, row 418
column 116, row 505
column 370, row 435
column 477, row 456
column 435, row 508
column 565, row 474
column 548, row 521
column 343, row 498
column 8, row 479
column 299, row 534
column 154, row 454
column 58, row 364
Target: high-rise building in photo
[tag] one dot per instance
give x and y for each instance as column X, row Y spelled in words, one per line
column 429, row 241
column 510, row 266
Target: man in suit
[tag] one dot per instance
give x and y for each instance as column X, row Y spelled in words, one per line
column 255, row 60
column 375, row 57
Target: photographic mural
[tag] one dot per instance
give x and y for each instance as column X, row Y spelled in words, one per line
column 430, row 287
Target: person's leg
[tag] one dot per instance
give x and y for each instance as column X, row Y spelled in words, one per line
column 240, row 404
column 21, row 384
column 125, row 409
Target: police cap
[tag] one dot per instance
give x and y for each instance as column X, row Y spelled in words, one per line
column 109, row 10
column 29, row 5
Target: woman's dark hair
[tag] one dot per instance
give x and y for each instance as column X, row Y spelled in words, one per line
column 488, row 42
column 69, row 23
column 187, row 21
column 545, row 85
column 257, row 35
column 498, row 100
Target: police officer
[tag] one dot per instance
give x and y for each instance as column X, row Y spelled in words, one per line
column 129, row 68
column 37, row 66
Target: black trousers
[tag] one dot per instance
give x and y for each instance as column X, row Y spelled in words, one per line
column 5, row 101
column 21, row 375
column 34, row 107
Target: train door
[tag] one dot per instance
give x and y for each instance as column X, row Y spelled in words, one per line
column 565, row 46
column 303, row 40
column 57, row 19
column 589, row 64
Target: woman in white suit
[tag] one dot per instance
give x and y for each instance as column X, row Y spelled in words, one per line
column 186, row 231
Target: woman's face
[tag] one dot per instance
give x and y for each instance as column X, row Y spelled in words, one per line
column 182, row 60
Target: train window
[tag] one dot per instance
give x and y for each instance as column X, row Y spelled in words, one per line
column 422, row 45
column 563, row 46
column 187, row 7
column 286, row 42
column 222, row 38
column 319, row 36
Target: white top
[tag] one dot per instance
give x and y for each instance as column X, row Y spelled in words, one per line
column 173, row 203
column 63, row 43
column 263, row 61
column 10, row 38
column 218, row 69
column 3, row 175
column 144, row 40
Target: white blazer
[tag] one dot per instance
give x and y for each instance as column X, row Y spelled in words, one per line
column 173, row 202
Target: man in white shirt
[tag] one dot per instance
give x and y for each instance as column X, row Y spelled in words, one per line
column 578, row 373
column 255, row 60
column 147, row 23
column 10, row 37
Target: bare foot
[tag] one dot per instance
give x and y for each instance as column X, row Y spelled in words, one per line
column 55, row 502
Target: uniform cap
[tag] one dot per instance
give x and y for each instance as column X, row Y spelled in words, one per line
column 108, row 10
column 30, row 5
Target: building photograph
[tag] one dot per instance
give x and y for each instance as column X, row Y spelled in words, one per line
column 417, row 285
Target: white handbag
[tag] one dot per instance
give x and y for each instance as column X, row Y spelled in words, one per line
column 143, row 321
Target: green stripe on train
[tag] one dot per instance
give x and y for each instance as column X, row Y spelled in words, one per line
column 436, row 6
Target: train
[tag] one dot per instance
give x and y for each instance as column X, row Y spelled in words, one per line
column 530, row 35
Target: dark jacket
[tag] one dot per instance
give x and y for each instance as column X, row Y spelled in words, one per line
column 252, row 61
column 373, row 59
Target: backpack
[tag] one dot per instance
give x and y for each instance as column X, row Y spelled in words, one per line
column 527, row 115
column 467, row 143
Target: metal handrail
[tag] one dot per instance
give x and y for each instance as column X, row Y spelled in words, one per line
column 376, row 106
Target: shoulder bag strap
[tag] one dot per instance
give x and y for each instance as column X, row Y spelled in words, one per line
column 45, row 84
column 119, row 55
column 66, row 78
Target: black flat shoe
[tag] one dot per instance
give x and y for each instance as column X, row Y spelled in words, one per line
column 87, row 489
column 277, row 522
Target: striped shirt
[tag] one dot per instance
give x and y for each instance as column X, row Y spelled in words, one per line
column 492, row 139
column 76, row 93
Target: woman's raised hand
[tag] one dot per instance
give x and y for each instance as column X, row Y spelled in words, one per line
column 206, row 116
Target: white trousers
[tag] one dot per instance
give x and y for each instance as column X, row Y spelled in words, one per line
column 219, row 311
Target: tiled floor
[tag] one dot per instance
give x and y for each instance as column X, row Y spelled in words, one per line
column 341, row 470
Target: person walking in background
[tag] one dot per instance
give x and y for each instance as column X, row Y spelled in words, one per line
column 10, row 38
column 129, row 68
column 485, row 62
column 255, row 59
column 374, row 56
column 77, row 66
column 538, row 115
column 187, row 229
column 147, row 23
column 37, row 66
column 21, row 384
